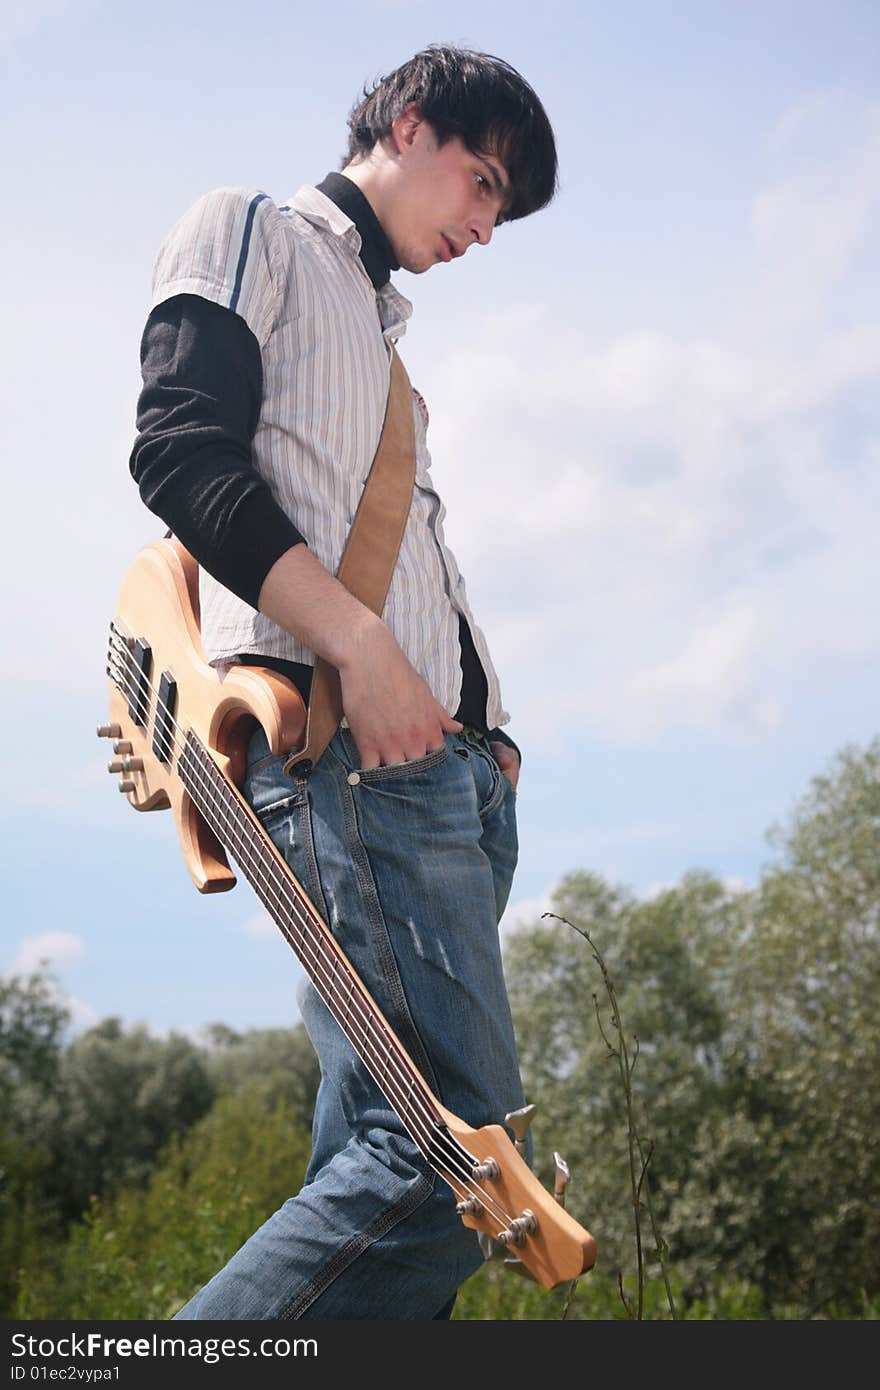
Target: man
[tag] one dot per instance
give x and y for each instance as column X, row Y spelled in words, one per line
column 266, row 373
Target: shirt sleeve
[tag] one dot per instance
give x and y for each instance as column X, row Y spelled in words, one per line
column 192, row 462
column 228, row 249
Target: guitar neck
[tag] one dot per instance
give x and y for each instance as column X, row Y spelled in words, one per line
column 223, row 807
column 162, row 764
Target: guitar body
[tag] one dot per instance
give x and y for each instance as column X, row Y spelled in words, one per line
column 160, row 596
column 180, row 731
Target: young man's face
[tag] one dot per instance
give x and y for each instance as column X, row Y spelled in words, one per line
column 443, row 198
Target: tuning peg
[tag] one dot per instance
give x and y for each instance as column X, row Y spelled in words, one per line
column 127, row 787
column 487, row 1245
column 109, row 731
column 519, row 1121
column 563, row 1178
column 471, row 1206
column 519, row 1228
column 489, row 1169
column 122, row 745
column 517, row 1267
column 126, row 765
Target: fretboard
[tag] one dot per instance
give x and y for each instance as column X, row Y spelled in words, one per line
column 238, row 830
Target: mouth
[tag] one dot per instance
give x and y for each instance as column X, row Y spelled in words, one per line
column 450, row 250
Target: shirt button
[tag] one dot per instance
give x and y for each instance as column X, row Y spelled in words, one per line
column 353, row 778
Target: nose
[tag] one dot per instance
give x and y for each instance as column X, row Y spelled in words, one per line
column 482, row 227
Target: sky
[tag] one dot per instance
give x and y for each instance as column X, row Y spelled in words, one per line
column 654, row 423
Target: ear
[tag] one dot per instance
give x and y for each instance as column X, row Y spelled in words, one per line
column 406, row 126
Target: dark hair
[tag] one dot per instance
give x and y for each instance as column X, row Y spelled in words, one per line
column 478, row 98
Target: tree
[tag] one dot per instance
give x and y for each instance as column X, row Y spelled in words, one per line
column 757, row 1070
column 121, row 1096
column 143, row 1252
column 32, row 1022
column 281, row 1061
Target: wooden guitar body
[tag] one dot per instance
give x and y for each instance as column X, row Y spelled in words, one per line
column 180, row 731
column 220, row 709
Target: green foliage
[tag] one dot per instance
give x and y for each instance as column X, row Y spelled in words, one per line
column 31, row 1027
column 143, row 1253
column 31, row 1024
column 281, row 1061
column 84, row 1122
column 493, row 1294
column 756, row 1087
column 757, row 1076
column 121, row 1096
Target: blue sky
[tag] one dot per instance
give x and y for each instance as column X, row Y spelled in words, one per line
column 654, row 421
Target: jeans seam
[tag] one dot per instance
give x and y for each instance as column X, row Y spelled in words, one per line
column 308, row 844
column 496, row 796
column 382, row 940
column 407, row 769
column 356, row 1246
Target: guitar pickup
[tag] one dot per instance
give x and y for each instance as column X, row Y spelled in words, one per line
column 139, row 695
column 166, row 709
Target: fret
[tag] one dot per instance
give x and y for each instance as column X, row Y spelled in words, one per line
column 232, row 824
column 161, row 693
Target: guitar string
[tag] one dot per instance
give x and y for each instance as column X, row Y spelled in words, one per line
column 183, row 749
column 437, row 1138
column 383, row 1059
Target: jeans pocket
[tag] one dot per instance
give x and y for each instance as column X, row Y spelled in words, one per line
column 347, row 751
column 411, row 768
column 489, row 780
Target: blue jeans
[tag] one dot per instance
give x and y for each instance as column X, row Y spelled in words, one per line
column 411, row 866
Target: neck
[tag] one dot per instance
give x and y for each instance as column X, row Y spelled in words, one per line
column 377, row 253
column 371, row 177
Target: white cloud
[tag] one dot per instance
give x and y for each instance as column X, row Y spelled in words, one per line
column 82, row 1015
column 689, row 523
column 261, row 926
column 524, row 913
column 59, row 948
column 733, row 884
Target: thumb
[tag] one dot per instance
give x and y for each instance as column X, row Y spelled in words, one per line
column 447, row 723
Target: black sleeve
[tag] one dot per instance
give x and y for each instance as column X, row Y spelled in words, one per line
column 197, row 415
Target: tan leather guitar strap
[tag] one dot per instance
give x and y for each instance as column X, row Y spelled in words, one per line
column 370, row 552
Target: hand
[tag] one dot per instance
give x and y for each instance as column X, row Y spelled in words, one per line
column 390, row 708
column 507, row 759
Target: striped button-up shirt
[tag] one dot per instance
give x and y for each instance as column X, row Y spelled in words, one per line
column 295, row 276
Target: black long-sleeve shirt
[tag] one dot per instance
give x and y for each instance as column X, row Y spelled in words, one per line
column 197, row 415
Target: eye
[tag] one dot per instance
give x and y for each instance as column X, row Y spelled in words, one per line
column 482, row 182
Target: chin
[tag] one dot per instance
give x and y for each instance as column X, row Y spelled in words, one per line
column 417, row 262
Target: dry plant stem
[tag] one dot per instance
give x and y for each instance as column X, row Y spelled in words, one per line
column 625, row 1068
column 638, row 1173
column 569, row 1295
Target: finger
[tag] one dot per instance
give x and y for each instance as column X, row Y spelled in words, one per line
column 452, row 726
column 369, row 756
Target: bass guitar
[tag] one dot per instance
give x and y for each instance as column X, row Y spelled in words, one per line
column 180, row 730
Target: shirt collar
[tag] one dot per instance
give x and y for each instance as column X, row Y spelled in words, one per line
column 325, row 214
column 376, row 252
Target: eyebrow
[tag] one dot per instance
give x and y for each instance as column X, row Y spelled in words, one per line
column 504, row 191
column 500, row 188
